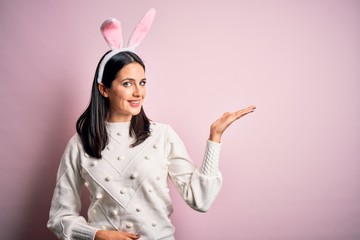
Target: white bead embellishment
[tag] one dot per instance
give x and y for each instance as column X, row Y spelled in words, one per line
column 134, row 175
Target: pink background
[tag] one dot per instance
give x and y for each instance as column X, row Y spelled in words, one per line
column 291, row 169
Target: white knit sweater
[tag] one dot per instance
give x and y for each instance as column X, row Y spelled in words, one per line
column 128, row 186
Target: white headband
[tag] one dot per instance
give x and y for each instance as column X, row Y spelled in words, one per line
column 112, row 32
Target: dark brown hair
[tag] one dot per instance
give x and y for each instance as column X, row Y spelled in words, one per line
column 91, row 125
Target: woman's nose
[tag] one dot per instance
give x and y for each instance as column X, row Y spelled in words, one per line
column 137, row 91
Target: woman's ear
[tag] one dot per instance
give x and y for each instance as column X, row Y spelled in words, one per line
column 103, row 90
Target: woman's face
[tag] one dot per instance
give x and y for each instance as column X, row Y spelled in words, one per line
column 127, row 93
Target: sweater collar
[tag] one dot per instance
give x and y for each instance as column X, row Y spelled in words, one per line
column 118, row 126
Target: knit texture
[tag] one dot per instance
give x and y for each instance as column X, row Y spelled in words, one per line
column 129, row 186
column 210, row 166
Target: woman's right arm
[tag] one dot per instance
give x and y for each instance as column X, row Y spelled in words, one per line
column 64, row 218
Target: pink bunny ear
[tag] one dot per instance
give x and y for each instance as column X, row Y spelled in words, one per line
column 112, row 32
column 142, row 29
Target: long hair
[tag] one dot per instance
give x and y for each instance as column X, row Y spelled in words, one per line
column 91, row 125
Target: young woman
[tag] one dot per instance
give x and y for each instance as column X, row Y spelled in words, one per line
column 125, row 160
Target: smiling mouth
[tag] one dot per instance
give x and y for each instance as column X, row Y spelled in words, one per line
column 134, row 103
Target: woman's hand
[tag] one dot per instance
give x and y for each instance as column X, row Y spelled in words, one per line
column 114, row 235
column 219, row 126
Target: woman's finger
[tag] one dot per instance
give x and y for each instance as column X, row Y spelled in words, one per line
column 231, row 117
column 244, row 111
column 131, row 235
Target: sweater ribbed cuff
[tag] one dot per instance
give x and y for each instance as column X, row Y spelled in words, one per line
column 82, row 231
column 210, row 166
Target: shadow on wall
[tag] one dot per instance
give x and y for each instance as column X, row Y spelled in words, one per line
column 57, row 129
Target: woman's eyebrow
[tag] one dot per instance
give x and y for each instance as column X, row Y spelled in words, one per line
column 132, row 79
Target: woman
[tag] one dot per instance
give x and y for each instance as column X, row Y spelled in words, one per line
column 124, row 160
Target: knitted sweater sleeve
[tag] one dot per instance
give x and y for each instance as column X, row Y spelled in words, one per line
column 198, row 186
column 64, row 218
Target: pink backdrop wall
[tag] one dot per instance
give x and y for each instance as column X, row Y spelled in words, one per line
column 291, row 169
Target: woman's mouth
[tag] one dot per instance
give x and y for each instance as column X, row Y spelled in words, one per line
column 134, row 103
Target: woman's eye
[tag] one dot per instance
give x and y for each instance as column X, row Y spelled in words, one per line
column 127, row 84
column 143, row 83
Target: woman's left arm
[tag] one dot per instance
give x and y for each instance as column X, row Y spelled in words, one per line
column 200, row 186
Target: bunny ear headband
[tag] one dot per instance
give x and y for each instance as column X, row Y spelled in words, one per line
column 112, row 32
